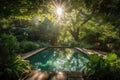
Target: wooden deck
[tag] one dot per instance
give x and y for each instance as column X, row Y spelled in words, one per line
column 51, row 75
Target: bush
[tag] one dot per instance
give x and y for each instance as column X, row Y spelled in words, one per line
column 43, row 44
column 20, row 33
column 99, row 68
column 27, row 46
column 14, row 69
column 11, row 65
column 9, row 44
column 85, row 45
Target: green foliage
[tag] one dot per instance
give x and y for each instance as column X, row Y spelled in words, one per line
column 103, row 6
column 18, row 7
column 27, row 46
column 101, row 23
column 9, row 44
column 111, row 57
column 14, row 69
column 20, row 33
column 86, row 21
column 103, row 68
column 43, row 44
column 47, row 31
column 11, row 66
column 104, row 37
column 106, row 9
column 85, row 45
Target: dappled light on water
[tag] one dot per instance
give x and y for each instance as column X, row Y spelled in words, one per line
column 59, row 59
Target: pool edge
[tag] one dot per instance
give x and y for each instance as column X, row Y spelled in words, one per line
column 32, row 53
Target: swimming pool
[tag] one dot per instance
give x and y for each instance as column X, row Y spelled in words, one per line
column 59, row 59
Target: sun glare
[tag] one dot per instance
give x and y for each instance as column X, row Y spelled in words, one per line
column 59, row 11
column 59, row 7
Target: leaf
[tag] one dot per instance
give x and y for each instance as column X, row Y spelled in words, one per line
column 94, row 58
column 111, row 57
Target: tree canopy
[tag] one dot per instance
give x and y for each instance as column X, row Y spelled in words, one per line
column 82, row 20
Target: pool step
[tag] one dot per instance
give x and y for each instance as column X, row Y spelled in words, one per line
column 51, row 75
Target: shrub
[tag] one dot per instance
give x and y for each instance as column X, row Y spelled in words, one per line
column 14, row 69
column 99, row 68
column 85, row 45
column 9, row 44
column 20, row 33
column 11, row 65
column 27, row 46
column 43, row 44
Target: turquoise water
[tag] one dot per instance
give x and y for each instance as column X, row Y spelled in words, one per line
column 59, row 59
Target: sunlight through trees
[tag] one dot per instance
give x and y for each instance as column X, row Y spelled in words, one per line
column 26, row 25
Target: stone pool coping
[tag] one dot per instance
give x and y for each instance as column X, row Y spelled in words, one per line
column 26, row 55
column 90, row 51
column 86, row 51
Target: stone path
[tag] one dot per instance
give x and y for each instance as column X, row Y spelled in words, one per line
column 51, row 75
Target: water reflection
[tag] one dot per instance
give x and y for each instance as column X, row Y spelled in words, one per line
column 59, row 59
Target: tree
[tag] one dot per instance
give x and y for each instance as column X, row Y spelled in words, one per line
column 9, row 8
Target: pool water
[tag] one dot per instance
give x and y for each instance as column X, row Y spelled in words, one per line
column 59, row 59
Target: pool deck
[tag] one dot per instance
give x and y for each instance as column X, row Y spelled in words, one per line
column 51, row 75
column 26, row 55
column 88, row 51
